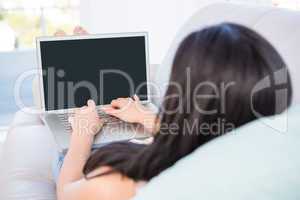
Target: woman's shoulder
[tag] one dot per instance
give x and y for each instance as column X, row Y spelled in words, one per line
column 112, row 186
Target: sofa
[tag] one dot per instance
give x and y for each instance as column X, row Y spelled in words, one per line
column 257, row 161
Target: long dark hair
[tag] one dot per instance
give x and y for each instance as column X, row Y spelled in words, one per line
column 228, row 75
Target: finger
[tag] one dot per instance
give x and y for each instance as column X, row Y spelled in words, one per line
column 106, row 107
column 83, row 32
column 59, row 33
column 83, row 109
column 78, row 30
column 120, row 102
column 115, row 103
column 136, row 98
column 91, row 104
column 112, row 111
column 71, row 120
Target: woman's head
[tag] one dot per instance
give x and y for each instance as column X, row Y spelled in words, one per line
column 225, row 72
column 222, row 77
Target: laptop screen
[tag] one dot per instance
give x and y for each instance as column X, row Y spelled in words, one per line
column 101, row 69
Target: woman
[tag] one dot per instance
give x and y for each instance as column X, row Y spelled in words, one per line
column 226, row 66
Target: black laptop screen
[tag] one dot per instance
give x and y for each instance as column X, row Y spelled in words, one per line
column 101, row 69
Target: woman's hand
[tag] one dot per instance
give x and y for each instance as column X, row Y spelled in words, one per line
column 132, row 111
column 78, row 30
column 86, row 121
column 126, row 109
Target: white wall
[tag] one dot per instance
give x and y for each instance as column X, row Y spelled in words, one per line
column 161, row 18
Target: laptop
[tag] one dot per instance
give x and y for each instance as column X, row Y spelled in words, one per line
column 102, row 67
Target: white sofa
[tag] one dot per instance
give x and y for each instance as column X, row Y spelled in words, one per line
column 27, row 153
column 253, row 162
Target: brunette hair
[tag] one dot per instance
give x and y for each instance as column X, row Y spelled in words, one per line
column 226, row 54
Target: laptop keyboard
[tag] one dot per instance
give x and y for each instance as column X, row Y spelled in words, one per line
column 64, row 118
column 107, row 119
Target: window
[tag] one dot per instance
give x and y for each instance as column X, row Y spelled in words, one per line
column 22, row 20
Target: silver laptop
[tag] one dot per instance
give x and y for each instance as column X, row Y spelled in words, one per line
column 101, row 67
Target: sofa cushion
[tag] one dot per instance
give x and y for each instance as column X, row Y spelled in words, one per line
column 257, row 161
column 26, row 159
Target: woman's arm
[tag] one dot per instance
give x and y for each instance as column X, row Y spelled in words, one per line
column 71, row 185
column 85, row 124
